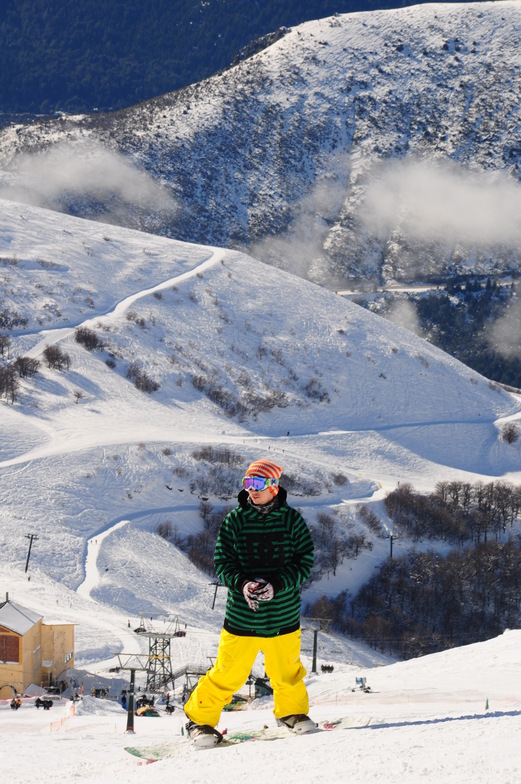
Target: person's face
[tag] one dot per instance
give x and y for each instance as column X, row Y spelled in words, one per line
column 260, row 497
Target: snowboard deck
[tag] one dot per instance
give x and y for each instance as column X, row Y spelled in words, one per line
column 154, row 753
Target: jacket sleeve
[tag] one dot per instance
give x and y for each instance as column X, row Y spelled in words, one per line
column 226, row 560
column 297, row 570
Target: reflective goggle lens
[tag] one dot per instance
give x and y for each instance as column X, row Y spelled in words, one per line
column 258, row 482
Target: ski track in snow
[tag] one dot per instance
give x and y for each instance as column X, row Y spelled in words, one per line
column 54, row 336
column 92, row 574
column 60, row 333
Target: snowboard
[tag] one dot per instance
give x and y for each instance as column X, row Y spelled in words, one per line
column 149, row 754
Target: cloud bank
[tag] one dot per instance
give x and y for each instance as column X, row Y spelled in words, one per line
column 505, row 336
column 103, row 181
column 443, row 202
column 300, row 250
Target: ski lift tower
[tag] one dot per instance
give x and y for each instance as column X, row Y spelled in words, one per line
column 132, row 662
column 159, row 664
column 315, row 625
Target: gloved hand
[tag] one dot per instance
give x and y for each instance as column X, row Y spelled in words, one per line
column 264, row 591
column 248, row 590
column 256, row 591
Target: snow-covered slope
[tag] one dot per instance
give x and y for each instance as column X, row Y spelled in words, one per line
column 379, row 145
column 452, row 716
column 247, row 360
column 91, row 465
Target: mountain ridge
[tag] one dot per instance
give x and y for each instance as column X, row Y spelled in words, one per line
column 348, row 402
column 88, row 55
column 335, row 117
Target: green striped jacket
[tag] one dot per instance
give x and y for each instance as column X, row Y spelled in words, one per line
column 276, row 547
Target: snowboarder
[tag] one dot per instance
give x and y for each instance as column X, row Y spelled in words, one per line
column 263, row 554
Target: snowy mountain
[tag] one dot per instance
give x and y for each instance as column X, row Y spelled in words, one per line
column 181, row 363
column 201, row 361
column 375, row 146
column 245, row 360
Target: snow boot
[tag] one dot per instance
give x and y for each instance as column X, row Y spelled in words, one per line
column 203, row 736
column 298, row 723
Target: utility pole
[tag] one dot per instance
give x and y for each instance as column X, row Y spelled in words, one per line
column 130, row 706
column 31, row 537
column 218, row 585
column 391, row 545
column 311, row 625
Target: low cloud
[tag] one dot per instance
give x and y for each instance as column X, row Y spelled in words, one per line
column 85, row 177
column 404, row 313
column 505, row 333
column 301, row 249
column 439, row 201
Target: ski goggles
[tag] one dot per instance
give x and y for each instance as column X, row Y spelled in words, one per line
column 258, row 482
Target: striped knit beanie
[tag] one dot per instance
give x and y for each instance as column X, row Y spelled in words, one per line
column 266, row 468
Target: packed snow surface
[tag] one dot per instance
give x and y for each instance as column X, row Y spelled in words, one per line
column 452, row 716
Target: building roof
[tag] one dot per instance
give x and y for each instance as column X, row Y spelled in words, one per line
column 16, row 618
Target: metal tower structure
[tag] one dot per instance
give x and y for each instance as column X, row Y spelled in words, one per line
column 159, row 663
column 159, row 672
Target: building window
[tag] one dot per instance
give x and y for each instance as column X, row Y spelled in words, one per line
column 9, row 648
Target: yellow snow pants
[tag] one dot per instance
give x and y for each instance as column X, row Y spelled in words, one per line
column 235, row 658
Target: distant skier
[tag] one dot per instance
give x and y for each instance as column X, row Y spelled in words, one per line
column 263, row 554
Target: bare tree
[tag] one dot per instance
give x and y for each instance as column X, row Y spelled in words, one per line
column 510, row 433
column 56, row 358
column 9, row 384
column 5, row 343
column 26, row 366
column 88, row 338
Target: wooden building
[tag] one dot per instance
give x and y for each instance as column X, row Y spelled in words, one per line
column 32, row 651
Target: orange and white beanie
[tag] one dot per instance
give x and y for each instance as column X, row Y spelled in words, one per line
column 266, row 468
